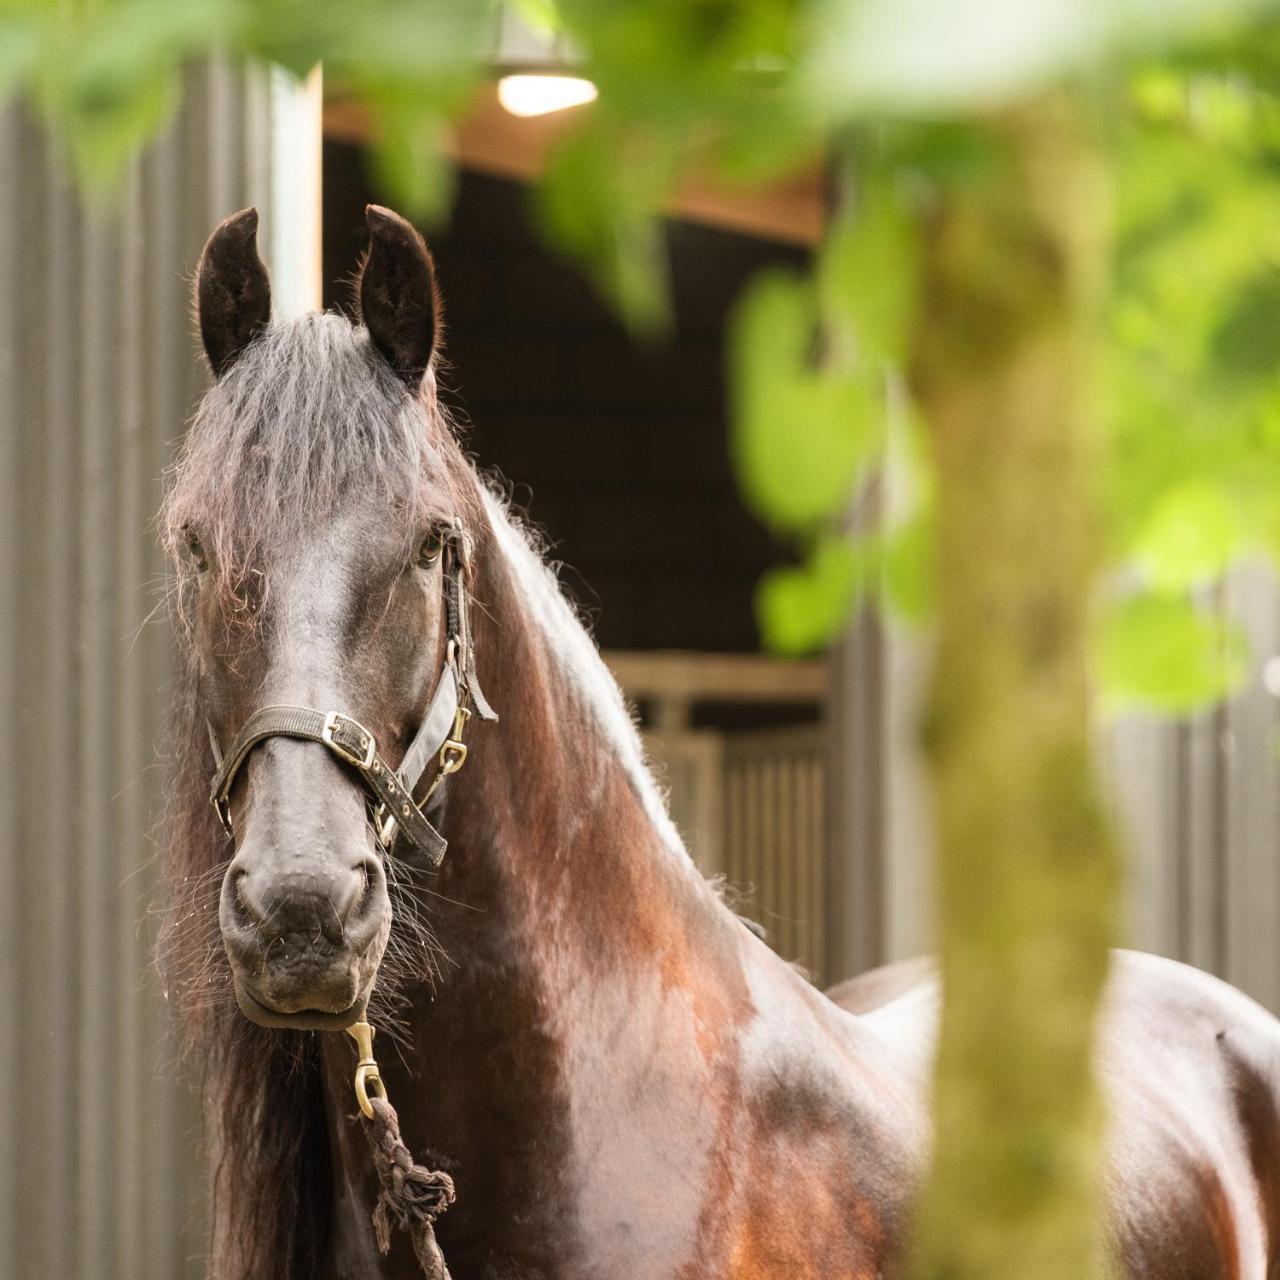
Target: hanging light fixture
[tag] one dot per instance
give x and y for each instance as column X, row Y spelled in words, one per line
column 539, row 95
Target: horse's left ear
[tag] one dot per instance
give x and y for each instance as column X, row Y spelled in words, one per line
column 398, row 298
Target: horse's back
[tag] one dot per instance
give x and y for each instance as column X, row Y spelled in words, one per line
column 1191, row 1069
column 869, row 991
column 1191, row 1073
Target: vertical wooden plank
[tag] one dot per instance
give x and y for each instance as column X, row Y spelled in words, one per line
column 223, row 141
column 818, row 899
column 733, row 823
column 1253, row 798
column 97, row 672
column 795, row 858
column 129, row 708
column 27, row 397
column 712, row 817
column 12, row 608
column 261, row 149
column 1222, row 884
column 812, row 837
column 854, row 869
column 755, row 810
column 908, row 833
column 794, row 855
column 1200, row 842
column 797, row 901
column 1141, row 770
column 769, row 839
column 51, row 704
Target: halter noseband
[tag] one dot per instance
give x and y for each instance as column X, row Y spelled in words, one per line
column 439, row 737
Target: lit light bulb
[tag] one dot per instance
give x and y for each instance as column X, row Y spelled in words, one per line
column 529, row 95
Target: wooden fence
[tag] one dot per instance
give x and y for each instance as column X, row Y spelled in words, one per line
column 750, row 805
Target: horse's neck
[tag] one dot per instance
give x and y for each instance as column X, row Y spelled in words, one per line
column 563, row 840
column 594, row 1042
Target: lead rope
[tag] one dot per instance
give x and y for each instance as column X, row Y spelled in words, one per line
column 410, row 1195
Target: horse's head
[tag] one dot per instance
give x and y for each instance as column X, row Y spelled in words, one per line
column 305, row 517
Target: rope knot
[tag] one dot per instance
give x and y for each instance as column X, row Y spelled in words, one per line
column 411, row 1195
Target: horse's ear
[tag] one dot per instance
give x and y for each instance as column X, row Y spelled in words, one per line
column 233, row 291
column 398, row 298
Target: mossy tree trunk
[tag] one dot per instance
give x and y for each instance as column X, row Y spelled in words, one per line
column 1027, row 867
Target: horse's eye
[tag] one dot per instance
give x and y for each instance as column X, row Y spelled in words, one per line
column 195, row 550
column 429, row 551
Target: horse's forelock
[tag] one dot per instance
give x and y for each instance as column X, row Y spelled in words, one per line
column 309, row 417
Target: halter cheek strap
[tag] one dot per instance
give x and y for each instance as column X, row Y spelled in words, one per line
column 439, row 736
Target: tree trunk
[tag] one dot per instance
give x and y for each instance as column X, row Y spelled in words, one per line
column 1014, row 262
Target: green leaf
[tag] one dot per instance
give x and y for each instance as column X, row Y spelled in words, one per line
column 803, row 608
column 541, row 16
column 908, row 568
column 1190, row 538
column 867, row 272
column 952, row 56
column 106, row 134
column 1162, row 654
column 1247, row 342
column 1160, row 93
column 598, row 201
column 802, row 435
column 409, row 161
column 20, row 38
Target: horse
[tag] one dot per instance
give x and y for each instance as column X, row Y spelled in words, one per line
column 618, row 1077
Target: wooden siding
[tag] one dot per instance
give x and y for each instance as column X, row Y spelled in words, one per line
column 1198, row 801
column 100, row 1178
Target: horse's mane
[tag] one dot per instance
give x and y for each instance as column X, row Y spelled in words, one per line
column 308, row 414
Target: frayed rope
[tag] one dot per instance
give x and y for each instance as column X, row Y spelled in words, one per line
column 411, row 1195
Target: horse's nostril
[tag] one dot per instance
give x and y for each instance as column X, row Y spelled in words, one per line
column 369, row 881
column 238, row 897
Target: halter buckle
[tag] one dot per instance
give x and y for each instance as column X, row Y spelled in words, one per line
column 453, row 753
column 367, row 1076
column 336, row 723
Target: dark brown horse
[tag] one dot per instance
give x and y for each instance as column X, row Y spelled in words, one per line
column 622, row 1080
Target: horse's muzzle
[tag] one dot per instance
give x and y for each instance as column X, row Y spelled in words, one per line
column 305, row 944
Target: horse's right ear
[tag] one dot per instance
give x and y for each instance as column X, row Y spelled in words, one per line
column 233, row 291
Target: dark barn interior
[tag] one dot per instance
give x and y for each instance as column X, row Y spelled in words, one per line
column 617, row 450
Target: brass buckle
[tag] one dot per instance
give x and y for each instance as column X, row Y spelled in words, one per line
column 367, row 743
column 367, row 1076
column 454, row 752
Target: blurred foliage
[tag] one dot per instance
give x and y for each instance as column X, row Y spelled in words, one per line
column 908, row 103
column 1162, row 652
column 896, row 97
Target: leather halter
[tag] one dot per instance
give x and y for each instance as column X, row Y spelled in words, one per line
column 439, row 737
